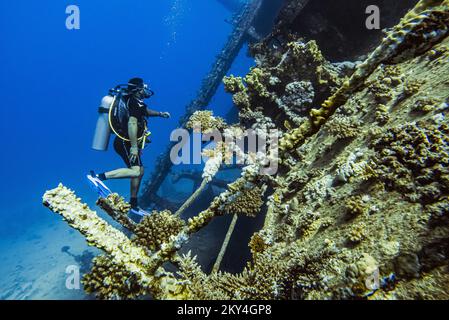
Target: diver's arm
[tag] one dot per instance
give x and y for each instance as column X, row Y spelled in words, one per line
column 152, row 113
column 132, row 131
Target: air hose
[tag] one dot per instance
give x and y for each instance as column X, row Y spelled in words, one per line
column 144, row 137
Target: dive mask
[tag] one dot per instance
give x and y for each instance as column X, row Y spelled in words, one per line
column 147, row 93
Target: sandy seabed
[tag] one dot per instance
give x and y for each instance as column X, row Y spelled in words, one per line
column 34, row 266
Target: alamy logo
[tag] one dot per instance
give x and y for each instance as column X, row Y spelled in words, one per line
column 72, row 281
column 233, row 146
column 373, row 20
column 73, row 21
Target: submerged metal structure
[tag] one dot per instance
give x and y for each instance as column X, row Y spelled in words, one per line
column 244, row 30
column 243, row 22
column 231, row 5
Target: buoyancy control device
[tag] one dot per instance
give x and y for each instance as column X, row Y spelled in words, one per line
column 113, row 115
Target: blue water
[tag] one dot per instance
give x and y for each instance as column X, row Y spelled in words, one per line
column 52, row 80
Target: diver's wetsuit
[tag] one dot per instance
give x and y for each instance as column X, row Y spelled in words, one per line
column 138, row 109
column 123, row 149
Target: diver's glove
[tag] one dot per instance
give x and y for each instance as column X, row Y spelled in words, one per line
column 165, row 115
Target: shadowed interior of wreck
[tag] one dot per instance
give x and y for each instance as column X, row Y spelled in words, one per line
column 339, row 27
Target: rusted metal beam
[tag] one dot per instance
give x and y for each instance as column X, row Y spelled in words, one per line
column 289, row 12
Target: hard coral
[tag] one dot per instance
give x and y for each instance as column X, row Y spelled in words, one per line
column 414, row 159
column 284, row 89
column 248, row 202
column 343, row 127
column 257, row 81
column 357, row 233
column 418, row 32
column 299, row 95
column 156, row 229
column 357, row 205
column 107, row 281
column 205, row 121
column 233, row 84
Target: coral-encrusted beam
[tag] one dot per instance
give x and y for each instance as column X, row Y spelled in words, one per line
column 99, row 233
column 116, row 207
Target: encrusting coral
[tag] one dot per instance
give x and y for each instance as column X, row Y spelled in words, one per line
column 418, row 32
column 343, row 127
column 413, row 159
column 118, row 209
column 361, row 212
column 284, row 88
column 134, row 256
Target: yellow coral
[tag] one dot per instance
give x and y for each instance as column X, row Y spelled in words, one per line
column 382, row 115
column 257, row 244
column 197, row 222
column 357, row 233
column 156, row 229
column 412, row 87
column 422, row 27
column 290, row 266
column 247, row 202
column 356, row 205
column 256, row 80
column 241, row 100
column 277, row 198
column 426, row 105
column 108, row 280
column 205, row 121
column 343, row 127
column 233, row 84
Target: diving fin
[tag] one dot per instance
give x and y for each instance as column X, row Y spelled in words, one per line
column 98, row 185
column 139, row 212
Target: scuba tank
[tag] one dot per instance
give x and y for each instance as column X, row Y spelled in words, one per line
column 107, row 116
column 103, row 129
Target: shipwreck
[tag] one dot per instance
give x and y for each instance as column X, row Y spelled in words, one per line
column 359, row 208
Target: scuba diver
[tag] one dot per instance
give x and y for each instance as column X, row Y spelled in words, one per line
column 124, row 113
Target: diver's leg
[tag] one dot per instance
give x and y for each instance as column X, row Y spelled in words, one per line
column 124, row 173
column 135, row 183
column 135, row 186
column 133, row 170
